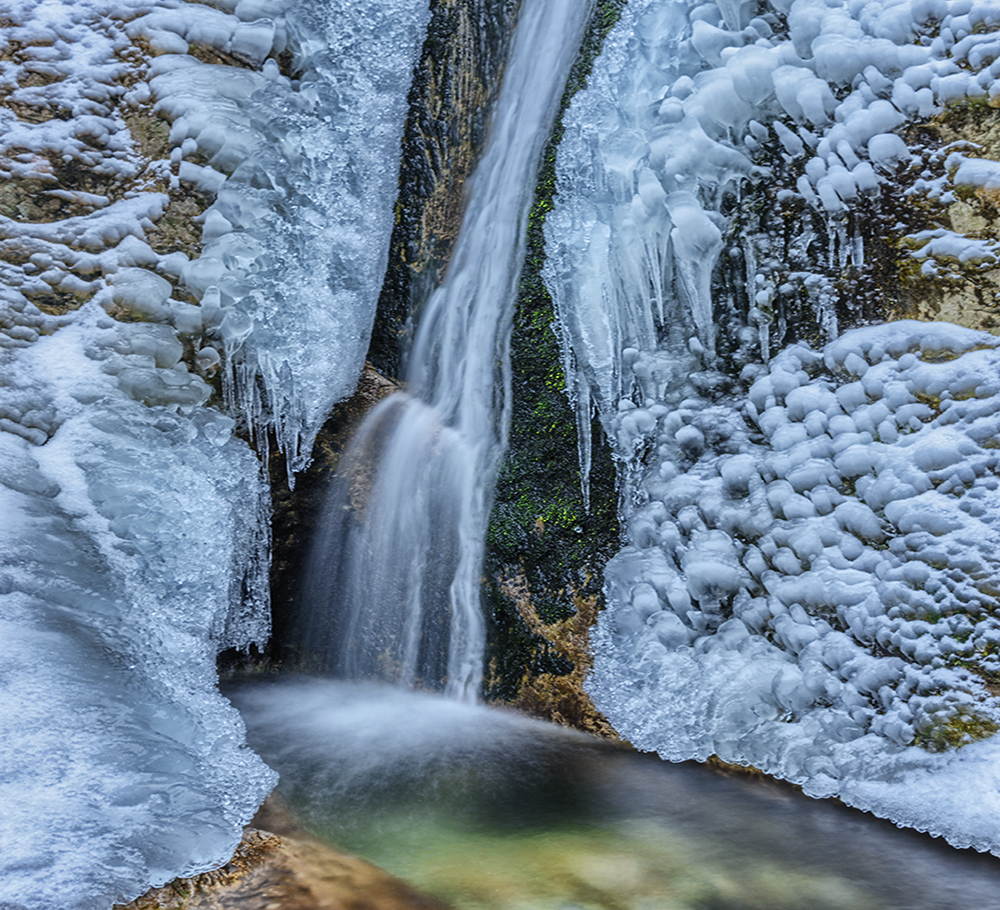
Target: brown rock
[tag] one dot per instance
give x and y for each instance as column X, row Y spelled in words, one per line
column 966, row 293
column 288, row 871
column 555, row 697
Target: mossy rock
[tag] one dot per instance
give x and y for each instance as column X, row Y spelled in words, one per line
column 547, row 548
column 966, row 293
column 454, row 86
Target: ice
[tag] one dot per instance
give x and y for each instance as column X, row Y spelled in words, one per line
column 816, row 532
column 856, row 581
column 307, row 274
column 886, row 150
column 975, row 172
column 135, row 519
column 129, row 532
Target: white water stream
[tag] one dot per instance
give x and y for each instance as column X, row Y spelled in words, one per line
column 393, row 580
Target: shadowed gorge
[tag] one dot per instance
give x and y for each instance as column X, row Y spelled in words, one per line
column 397, row 563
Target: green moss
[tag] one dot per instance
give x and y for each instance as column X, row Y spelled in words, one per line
column 540, row 529
column 959, row 729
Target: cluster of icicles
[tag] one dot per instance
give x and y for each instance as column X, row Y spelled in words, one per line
column 809, row 583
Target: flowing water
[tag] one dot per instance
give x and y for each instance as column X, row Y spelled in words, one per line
column 748, row 617
column 393, row 580
column 492, row 811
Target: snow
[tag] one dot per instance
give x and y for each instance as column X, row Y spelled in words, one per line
column 807, row 579
column 129, row 530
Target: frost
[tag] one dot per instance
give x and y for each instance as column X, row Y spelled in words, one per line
column 809, row 581
column 135, row 522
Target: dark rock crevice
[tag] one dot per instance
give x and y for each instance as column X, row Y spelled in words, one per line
column 454, row 86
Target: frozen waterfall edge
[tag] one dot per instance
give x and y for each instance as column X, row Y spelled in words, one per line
column 689, row 110
column 135, row 519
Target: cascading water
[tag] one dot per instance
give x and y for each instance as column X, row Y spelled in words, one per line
column 393, row 581
column 811, row 578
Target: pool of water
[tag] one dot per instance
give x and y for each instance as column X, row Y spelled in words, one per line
column 489, row 810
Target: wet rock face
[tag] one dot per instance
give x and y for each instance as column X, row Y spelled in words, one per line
column 453, row 91
column 546, row 547
column 550, row 534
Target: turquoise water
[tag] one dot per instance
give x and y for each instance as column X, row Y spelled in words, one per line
column 493, row 811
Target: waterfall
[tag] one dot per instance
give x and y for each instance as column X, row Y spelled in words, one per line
column 392, row 586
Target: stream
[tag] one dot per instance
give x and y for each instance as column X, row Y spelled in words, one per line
column 490, row 810
column 196, row 216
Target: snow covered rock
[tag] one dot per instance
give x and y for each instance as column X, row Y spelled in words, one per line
column 133, row 520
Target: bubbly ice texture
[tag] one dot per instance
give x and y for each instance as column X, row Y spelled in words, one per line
column 808, row 583
column 134, row 523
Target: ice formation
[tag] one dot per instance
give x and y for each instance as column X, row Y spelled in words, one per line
column 134, row 521
column 809, row 582
column 305, row 173
column 810, row 586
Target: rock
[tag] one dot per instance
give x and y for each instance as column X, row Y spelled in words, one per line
column 551, row 531
column 933, row 286
column 297, row 512
column 288, row 870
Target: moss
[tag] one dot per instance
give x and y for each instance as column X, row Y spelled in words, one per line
column 959, row 729
column 541, row 532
